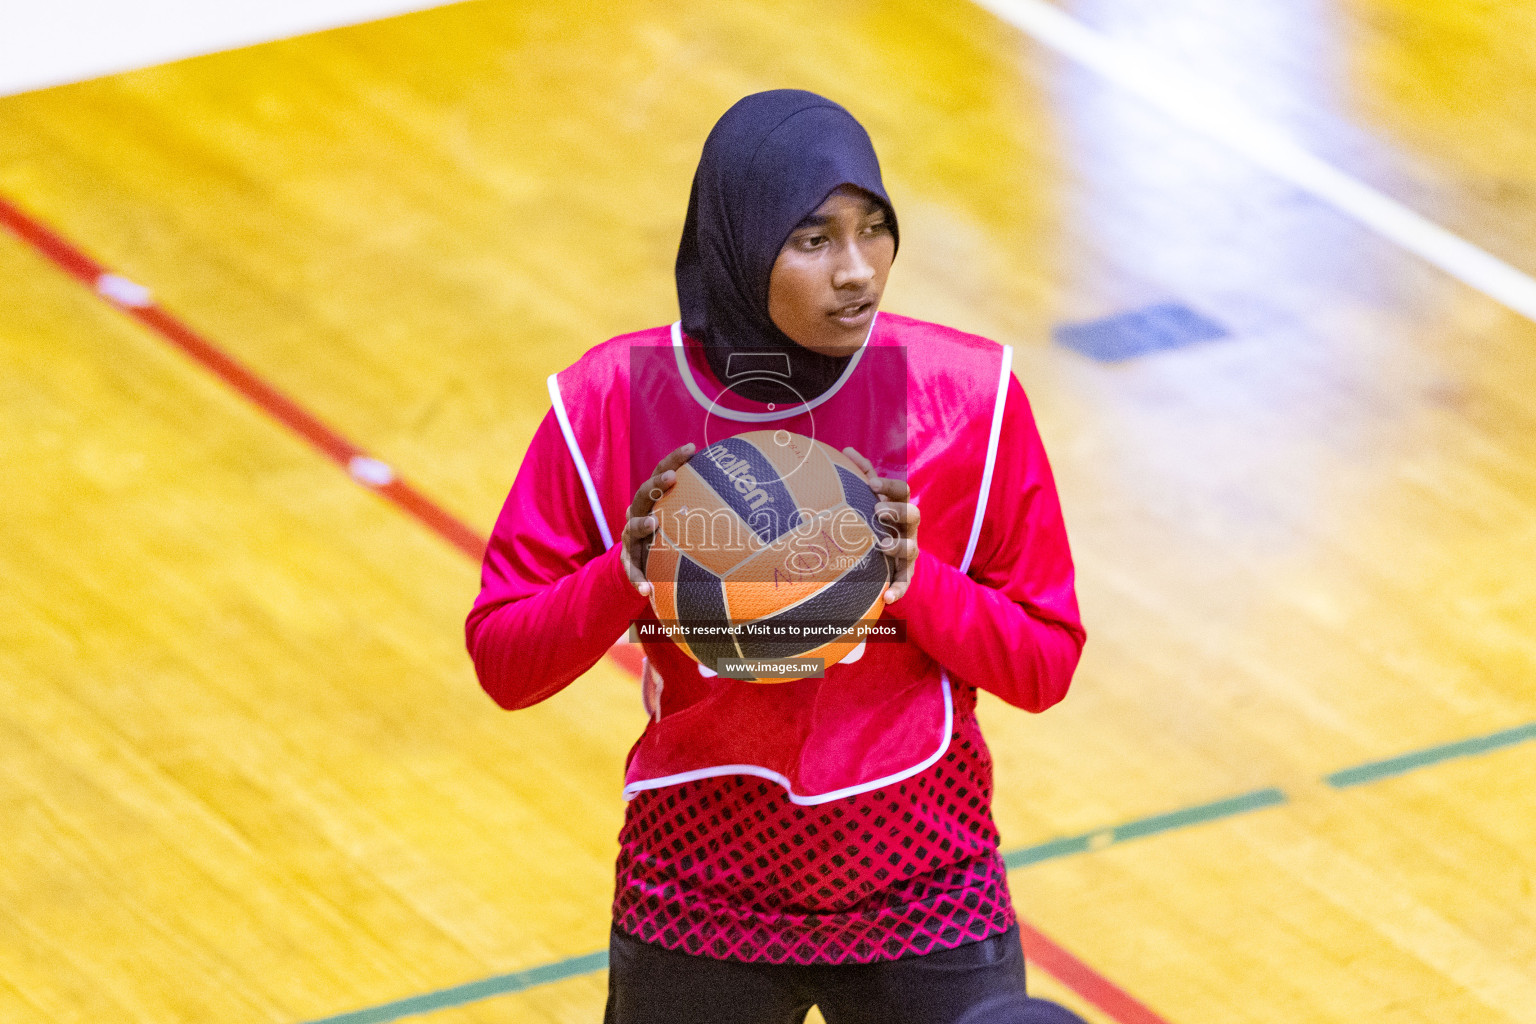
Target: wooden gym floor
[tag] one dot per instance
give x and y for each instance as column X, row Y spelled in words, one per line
column 245, row 771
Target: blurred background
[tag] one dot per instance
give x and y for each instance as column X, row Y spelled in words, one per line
column 275, row 321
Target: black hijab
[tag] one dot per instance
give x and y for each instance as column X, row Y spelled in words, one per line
column 769, row 162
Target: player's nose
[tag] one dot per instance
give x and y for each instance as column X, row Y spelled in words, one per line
column 854, row 269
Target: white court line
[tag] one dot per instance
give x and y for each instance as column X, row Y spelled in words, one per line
column 1211, row 112
column 46, row 44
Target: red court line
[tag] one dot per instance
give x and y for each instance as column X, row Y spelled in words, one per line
column 1082, row 979
column 1065, row 967
column 266, row 397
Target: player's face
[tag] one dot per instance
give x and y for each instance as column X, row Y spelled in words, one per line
column 828, row 278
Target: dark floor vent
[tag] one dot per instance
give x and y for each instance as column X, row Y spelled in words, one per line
column 1128, row 335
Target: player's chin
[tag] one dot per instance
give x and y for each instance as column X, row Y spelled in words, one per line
column 835, row 339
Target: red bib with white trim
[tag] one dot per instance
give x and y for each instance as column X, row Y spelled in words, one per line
column 920, row 401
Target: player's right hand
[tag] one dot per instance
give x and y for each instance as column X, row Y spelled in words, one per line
column 640, row 525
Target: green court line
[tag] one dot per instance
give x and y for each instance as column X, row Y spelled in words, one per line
column 1068, row 846
column 473, row 991
column 1254, row 801
column 1142, row 827
column 1433, row 755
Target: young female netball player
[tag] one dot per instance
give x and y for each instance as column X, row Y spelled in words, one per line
column 823, row 841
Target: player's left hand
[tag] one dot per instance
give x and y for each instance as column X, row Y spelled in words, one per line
column 895, row 511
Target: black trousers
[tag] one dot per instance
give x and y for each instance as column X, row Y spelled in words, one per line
column 979, row 983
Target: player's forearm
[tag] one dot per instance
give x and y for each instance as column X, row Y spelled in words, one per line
column 984, row 638
column 530, row 649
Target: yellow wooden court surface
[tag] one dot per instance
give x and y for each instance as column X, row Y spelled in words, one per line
column 246, row 773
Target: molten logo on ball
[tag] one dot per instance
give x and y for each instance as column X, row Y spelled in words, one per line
column 739, row 472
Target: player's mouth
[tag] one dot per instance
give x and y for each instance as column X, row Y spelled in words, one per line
column 854, row 314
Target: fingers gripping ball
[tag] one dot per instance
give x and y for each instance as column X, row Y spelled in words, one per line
column 768, row 540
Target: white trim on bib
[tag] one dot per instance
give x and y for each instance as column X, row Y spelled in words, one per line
column 581, row 463
column 634, row 789
column 986, row 473
column 680, row 351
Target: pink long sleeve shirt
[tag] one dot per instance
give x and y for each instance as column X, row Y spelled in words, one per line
column 778, row 864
